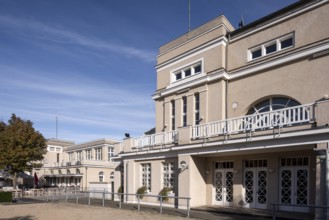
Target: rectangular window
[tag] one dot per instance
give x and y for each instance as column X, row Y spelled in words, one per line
column 58, row 149
column 71, row 157
column 184, row 111
column 197, row 69
column 187, row 72
column 110, row 153
column 224, row 165
column 79, row 155
column 98, row 152
column 197, row 108
column 286, row 43
column 173, row 115
column 295, row 161
column 88, row 154
column 178, row 75
column 270, row 48
column 256, row 53
column 146, row 176
column 169, row 175
column 255, row 163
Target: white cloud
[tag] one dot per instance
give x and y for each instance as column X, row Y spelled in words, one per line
column 84, row 103
column 45, row 32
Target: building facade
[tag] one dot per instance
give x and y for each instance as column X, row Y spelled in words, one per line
column 241, row 115
column 84, row 166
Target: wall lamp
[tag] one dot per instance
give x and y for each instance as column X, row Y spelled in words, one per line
column 321, row 155
column 183, row 165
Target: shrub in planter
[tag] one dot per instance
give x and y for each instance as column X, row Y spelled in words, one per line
column 164, row 192
column 120, row 189
column 141, row 191
column 6, row 197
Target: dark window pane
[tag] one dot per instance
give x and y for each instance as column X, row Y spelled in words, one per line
column 286, row 43
column 197, row 69
column 256, row 53
column 270, row 48
column 280, row 101
column 187, row 72
column 178, row 76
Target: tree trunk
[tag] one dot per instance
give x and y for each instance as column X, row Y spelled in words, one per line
column 15, row 180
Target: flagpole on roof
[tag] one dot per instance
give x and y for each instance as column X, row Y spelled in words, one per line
column 56, row 127
column 189, row 15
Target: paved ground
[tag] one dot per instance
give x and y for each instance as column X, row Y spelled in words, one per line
column 32, row 209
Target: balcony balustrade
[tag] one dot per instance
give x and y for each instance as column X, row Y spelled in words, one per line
column 280, row 118
column 276, row 119
column 68, row 164
column 163, row 138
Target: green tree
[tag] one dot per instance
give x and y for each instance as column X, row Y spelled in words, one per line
column 21, row 146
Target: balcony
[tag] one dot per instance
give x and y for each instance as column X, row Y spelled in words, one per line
column 80, row 163
column 158, row 139
column 302, row 117
column 281, row 118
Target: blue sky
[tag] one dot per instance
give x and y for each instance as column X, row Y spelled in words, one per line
column 91, row 62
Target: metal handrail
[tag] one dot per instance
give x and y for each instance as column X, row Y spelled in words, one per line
column 122, row 195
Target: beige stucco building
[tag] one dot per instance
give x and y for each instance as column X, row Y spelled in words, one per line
column 85, row 166
column 241, row 115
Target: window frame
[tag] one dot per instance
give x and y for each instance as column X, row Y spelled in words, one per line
column 263, row 47
column 101, row 176
column 173, row 114
column 169, row 175
column 89, row 154
column 110, row 153
column 146, row 176
column 197, row 109
column 99, row 154
column 191, row 68
column 71, row 156
column 271, row 102
column 112, row 176
column 184, row 111
column 79, row 155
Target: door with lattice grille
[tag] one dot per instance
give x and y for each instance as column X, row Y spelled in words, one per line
column 255, row 186
column 294, row 188
column 223, row 187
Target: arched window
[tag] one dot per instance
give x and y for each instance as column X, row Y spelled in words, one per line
column 112, row 176
column 59, row 172
column 68, row 171
column 77, row 171
column 101, row 176
column 272, row 104
column 274, row 112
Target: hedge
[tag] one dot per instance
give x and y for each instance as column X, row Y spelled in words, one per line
column 6, row 197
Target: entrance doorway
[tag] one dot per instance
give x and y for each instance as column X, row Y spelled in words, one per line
column 223, row 183
column 255, row 183
column 294, row 183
